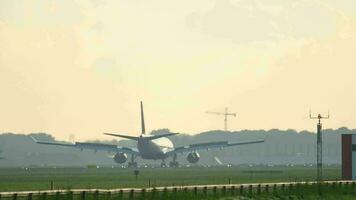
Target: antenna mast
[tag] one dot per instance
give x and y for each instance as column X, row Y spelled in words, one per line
column 226, row 114
column 319, row 145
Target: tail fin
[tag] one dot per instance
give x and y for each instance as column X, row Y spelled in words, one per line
column 142, row 121
column 143, row 131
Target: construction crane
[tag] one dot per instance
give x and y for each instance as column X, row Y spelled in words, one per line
column 226, row 114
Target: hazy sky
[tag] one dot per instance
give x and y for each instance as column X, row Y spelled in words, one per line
column 82, row 66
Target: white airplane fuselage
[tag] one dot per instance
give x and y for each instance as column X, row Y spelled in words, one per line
column 154, row 149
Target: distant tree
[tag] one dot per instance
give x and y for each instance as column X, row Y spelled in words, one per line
column 281, row 147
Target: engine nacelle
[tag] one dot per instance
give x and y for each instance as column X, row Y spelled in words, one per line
column 120, row 158
column 193, row 157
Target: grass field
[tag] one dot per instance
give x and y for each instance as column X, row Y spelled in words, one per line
column 16, row 179
column 299, row 191
column 330, row 191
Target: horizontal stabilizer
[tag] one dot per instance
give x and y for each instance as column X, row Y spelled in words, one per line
column 123, row 136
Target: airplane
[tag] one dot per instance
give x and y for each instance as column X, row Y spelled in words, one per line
column 151, row 147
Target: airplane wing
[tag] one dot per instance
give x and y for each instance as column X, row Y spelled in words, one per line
column 93, row 146
column 210, row 145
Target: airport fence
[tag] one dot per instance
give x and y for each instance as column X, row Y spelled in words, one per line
column 189, row 192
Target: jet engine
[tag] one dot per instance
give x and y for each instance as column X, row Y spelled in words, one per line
column 120, row 158
column 193, row 157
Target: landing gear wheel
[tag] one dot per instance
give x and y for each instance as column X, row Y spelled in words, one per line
column 163, row 164
column 132, row 164
column 174, row 164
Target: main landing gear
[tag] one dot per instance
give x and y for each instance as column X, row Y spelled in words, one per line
column 132, row 163
column 174, row 163
column 163, row 164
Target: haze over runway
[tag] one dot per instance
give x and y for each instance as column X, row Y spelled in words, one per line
column 81, row 67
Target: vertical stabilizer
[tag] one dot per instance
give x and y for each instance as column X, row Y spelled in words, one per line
column 142, row 121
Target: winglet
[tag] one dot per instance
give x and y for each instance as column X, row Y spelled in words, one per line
column 34, row 139
column 265, row 138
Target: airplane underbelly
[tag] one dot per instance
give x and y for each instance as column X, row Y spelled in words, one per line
column 149, row 150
